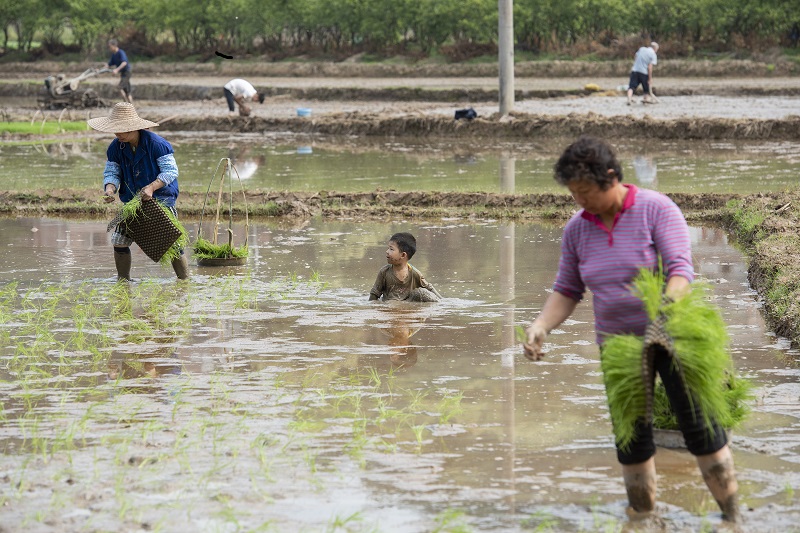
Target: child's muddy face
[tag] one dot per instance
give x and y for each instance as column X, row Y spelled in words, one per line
column 393, row 254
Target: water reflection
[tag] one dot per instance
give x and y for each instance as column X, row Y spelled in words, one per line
column 412, row 164
column 528, row 438
column 403, row 322
column 646, row 171
column 64, row 151
column 245, row 163
column 507, row 173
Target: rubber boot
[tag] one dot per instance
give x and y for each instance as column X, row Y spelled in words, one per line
column 123, row 262
column 181, row 267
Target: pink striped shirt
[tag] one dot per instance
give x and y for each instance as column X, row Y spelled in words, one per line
column 605, row 261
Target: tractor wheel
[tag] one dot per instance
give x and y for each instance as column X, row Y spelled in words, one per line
column 44, row 100
column 90, row 99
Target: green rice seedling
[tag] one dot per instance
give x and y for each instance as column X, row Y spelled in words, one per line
column 374, row 376
column 624, row 388
column 520, row 334
column 131, row 210
column 540, row 522
column 205, row 249
column 701, row 343
column 336, row 522
column 788, row 492
column 418, row 431
column 416, row 396
column 228, row 513
column 451, row 521
column 450, row 406
column 246, row 294
column 8, row 301
column 310, row 459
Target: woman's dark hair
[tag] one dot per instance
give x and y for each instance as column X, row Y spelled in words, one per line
column 588, row 158
column 405, row 243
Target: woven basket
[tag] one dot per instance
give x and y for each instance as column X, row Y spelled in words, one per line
column 152, row 230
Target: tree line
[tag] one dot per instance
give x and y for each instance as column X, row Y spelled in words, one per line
column 187, row 27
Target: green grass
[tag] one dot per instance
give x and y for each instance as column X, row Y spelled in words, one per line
column 746, row 220
column 38, row 128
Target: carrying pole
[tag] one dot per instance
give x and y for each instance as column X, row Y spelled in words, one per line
column 219, row 197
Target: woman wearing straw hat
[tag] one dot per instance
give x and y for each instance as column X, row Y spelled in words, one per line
column 139, row 161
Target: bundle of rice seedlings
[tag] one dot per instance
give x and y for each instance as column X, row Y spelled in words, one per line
column 701, row 344
column 204, row 249
column 132, row 210
column 177, row 247
column 621, row 362
column 737, row 394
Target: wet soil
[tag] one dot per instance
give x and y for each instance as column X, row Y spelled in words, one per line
column 772, row 241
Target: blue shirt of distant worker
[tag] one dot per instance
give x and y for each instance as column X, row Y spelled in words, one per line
column 119, row 60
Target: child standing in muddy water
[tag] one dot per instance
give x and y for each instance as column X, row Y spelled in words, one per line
column 398, row 280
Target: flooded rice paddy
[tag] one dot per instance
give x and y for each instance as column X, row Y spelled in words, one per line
column 274, row 397
column 311, row 163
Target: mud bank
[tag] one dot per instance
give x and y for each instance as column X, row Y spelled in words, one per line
column 556, row 69
column 376, row 204
column 519, row 126
column 765, row 223
column 766, row 226
column 188, row 92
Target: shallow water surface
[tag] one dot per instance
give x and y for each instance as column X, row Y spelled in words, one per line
column 274, row 396
column 313, row 163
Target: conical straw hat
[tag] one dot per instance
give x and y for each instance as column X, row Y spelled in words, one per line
column 123, row 118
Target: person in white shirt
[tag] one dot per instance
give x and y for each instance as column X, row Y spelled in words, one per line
column 241, row 91
column 642, row 72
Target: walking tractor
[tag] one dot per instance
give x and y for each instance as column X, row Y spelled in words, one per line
column 60, row 92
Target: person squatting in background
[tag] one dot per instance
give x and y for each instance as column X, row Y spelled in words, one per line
column 642, row 72
column 239, row 91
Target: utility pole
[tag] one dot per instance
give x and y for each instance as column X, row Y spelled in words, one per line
column 505, row 45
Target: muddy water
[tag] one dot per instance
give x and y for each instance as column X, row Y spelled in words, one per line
column 311, row 163
column 275, row 396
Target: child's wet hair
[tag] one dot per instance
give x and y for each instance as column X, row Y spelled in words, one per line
column 405, row 243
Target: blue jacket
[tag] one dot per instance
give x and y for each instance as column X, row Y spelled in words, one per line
column 119, row 57
column 130, row 172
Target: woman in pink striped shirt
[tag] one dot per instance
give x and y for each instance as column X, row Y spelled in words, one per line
column 619, row 230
